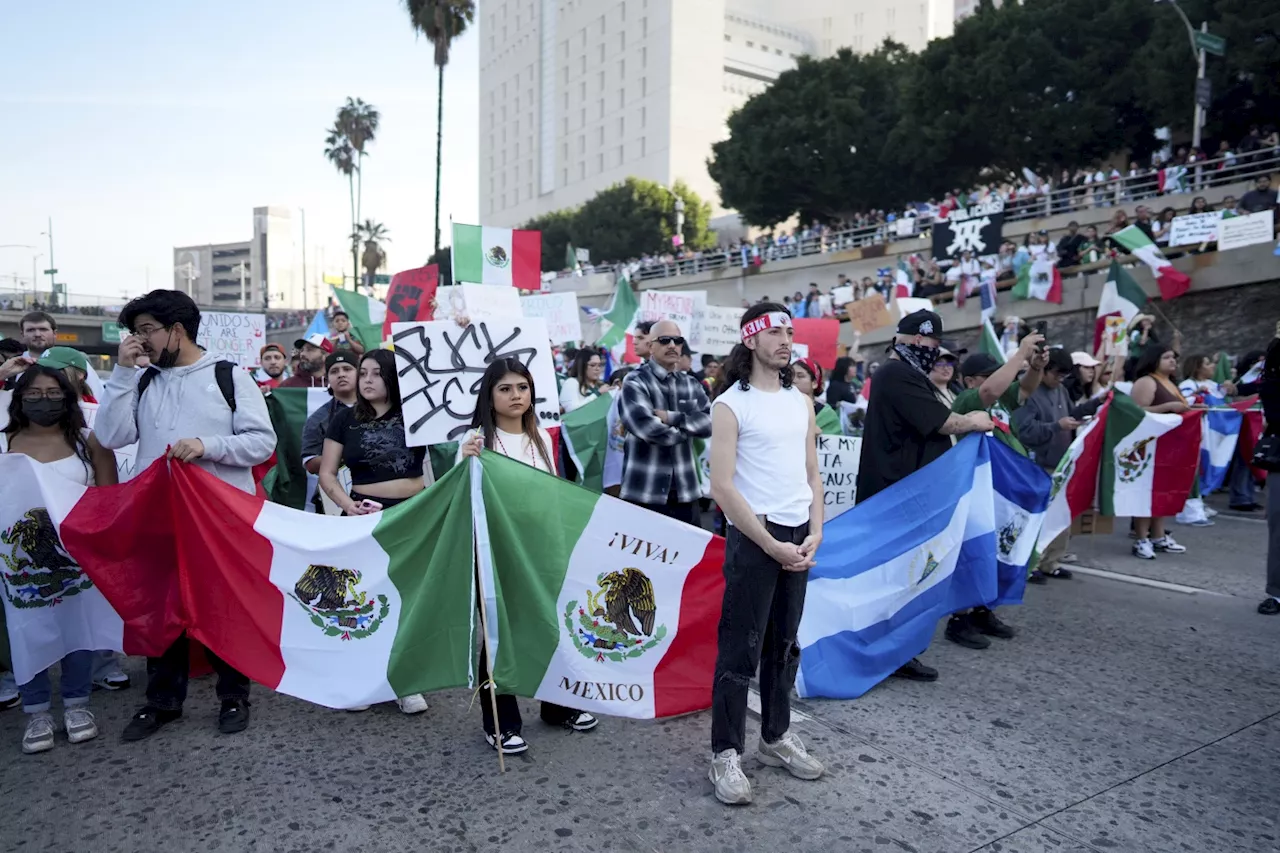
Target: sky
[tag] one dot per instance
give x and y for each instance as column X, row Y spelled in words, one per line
column 151, row 124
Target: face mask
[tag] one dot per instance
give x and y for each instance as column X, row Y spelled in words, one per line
column 43, row 412
column 920, row 357
column 167, row 357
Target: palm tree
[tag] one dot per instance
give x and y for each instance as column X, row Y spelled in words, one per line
column 441, row 21
column 359, row 121
column 373, row 234
column 339, row 151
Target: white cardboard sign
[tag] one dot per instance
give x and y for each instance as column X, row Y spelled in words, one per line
column 560, row 311
column 721, row 329
column 838, row 458
column 232, row 336
column 440, row 366
column 1194, row 228
column 1238, row 231
column 679, row 308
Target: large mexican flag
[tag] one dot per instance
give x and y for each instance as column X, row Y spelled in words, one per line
column 1148, row 461
column 1075, row 481
column 594, row 603
column 286, row 482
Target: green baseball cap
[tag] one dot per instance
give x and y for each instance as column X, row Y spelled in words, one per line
column 60, row 357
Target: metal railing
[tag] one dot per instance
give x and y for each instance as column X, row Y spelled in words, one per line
column 108, row 308
column 1111, row 193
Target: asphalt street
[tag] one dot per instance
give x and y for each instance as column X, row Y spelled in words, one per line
column 1124, row 717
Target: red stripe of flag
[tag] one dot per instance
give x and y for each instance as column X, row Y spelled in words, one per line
column 1177, row 455
column 526, row 259
column 682, row 680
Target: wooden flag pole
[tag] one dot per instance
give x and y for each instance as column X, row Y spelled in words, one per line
column 488, row 656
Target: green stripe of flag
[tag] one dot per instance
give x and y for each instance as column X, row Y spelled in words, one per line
column 468, row 253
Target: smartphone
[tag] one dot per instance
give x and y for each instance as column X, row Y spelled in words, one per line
column 1042, row 329
column 370, row 506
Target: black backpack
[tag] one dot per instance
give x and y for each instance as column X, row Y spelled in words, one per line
column 223, row 373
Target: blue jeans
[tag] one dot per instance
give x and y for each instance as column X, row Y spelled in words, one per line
column 1241, row 484
column 77, row 683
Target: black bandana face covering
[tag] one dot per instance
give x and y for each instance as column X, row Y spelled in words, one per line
column 921, row 358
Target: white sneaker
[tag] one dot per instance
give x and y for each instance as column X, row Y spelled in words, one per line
column 413, row 704
column 1142, row 550
column 731, row 785
column 1165, row 543
column 790, row 753
column 358, row 708
column 80, row 724
column 510, row 744
column 39, row 734
column 583, row 722
column 1210, row 511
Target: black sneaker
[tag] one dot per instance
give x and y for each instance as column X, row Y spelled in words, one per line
column 510, row 743
column 234, row 716
column 985, row 621
column 1037, row 577
column 960, row 632
column 582, row 722
column 1269, row 606
column 1245, row 507
column 916, row 671
column 147, row 722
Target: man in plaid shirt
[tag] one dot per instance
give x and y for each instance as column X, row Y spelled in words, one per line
column 662, row 410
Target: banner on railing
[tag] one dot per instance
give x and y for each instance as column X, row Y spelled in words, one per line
column 1194, row 228
column 1239, row 231
column 977, row 229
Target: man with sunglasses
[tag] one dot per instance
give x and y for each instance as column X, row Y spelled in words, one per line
column 663, row 409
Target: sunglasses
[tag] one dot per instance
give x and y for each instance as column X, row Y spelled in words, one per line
column 669, row 340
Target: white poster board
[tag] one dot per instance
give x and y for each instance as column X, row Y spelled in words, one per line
column 441, row 364
column 721, row 329
column 559, row 311
column 1238, row 231
column 799, row 351
column 1194, row 228
column 905, row 226
column 838, row 458
column 679, row 308
column 842, row 295
column 233, row 337
column 491, row 301
column 911, row 304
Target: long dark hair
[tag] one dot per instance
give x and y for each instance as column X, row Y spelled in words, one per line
column 737, row 367
column 386, row 361
column 579, row 371
column 1150, row 359
column 841, row 371
column 487, row 423
column 72, row 421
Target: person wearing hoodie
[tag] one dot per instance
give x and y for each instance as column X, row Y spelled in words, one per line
column 183, row 413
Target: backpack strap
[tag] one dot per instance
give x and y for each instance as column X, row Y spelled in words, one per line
column 223, row 374
column 145, row 380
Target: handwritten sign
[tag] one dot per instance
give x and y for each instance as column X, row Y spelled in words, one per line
column 721, row 329
column 838, row 457
column 233, row 337
column 869, row 313
column 440, row 366
column 560, row 311
column 1194, row 228
column 1238, row 231
column 1115, row 337
column 679, row 308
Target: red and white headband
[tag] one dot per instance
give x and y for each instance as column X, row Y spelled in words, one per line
column 766, row 321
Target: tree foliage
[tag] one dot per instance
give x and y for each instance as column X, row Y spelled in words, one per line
column 625, row 221
column 1044, row 84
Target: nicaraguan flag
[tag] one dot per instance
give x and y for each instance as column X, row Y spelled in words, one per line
column 1022, row 491
column 1220, row 432
column 892, row 566
column 319, row 325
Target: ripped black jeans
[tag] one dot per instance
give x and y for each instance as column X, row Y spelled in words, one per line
column 758, row 624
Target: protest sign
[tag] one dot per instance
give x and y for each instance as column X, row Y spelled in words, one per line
column 560, row 311
column 694, row 332
column 1115, row 337
column 1238, row 231
column 838, row 457
column 233, row 337
column 905, row 227
column 409, row 297
column 441, row 365
column 721, row 329
column 490, row 301
column 869, row 314
column 820, row 337
column 1194, row 228
column 799, row 351
column 679, row 308
column 912, row 304
column 842, row 295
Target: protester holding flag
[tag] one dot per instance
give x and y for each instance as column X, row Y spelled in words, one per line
column 504, row 422
column 1198, row 383
column 274, row 360
column 46, row 424
column 1154, row 391
column 340, row 374
column 585, row 381
column 342, row 338
column 312, row 351
column 179, row 408
column 764, row 476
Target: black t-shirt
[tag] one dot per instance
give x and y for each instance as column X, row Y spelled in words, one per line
column 375, row 451
column 900, row 434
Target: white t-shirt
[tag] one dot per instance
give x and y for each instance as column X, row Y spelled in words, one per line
column 72, row 467
column 517, row 446
column 770, row 471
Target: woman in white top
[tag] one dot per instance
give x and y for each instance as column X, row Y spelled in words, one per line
column 1197, row 372
column 504, row 422
column 46, row 424
column 585, row 382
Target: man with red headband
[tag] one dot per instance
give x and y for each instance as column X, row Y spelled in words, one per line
column 764, row 476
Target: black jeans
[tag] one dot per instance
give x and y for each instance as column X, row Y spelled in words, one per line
column 167, row 677
column 758, row 624
column 686, row 512
column 509, row 721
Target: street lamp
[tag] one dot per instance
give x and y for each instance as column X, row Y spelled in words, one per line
column 243, row 269
column 1197, row 54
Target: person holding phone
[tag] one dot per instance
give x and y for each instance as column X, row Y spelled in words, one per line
column 369, row 438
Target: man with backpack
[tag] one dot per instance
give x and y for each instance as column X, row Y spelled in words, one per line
column 192, row 407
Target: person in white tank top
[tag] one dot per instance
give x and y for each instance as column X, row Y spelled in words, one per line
column 764, row 476
column 46, row 424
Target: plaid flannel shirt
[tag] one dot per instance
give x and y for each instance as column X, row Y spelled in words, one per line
column 659, row 457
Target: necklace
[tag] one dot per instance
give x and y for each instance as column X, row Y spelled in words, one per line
column 532, row 460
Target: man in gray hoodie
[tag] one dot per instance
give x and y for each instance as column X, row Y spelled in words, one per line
column 182, row 408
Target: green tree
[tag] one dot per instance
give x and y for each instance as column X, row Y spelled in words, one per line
column 353, row 129
column 557, row 234
column 338, row 151
column 373, row 235
column 443, row 258
column 441, row 21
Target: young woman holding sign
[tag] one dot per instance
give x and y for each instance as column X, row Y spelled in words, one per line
column 504, row 422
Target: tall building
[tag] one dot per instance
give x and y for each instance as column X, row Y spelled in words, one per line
column 577, row 95
column 265, row 271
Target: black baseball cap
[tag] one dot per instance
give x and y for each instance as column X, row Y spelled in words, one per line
column 921, row 322
column 980, row 364
column 1060, row 361
column 342, row 356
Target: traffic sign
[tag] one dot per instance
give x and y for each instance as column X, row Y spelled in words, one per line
column 113, row 333
column 1210, row 43
column 50, row 272
column 1204, row 93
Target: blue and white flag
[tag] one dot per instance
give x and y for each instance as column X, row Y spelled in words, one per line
column 1220, row 434
column 319, row 325
column 892, row 566
column 1022, row 490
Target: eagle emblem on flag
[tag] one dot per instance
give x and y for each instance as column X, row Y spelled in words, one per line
column 607, row 624
column 336, row 606
column 38, row 571
column 497, row 256
column 1134, row 462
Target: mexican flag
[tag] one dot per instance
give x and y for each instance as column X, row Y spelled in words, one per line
column 484, row 255
column 615, row 328
column 1075, row 482
column 1172, row 282
column 829, row 421
column 1148, row 461
column 586, row 437
column 592, row 602
column 990, row 342
column 366, row 315
column 1121, row 297
column 286, row 482
column 904, row 285
column 1039, row 280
